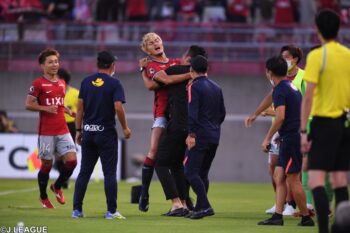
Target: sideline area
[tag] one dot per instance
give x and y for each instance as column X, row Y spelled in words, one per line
column 238, row 208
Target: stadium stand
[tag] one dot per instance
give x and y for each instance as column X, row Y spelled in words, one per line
column 226, row 43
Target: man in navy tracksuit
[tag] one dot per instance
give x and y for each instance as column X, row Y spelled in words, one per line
column 206, row 112
column 101, row 98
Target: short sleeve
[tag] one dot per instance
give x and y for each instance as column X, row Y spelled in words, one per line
column 279, row 98
column 76, row 96
column 35, row 88
column 313, row 66
column 118, row 94
column 150, row 71
column 82, row 90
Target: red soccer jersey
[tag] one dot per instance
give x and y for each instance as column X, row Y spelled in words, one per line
column 161, row 94
column 188, row 6
column 238, row 7
column 330, row 4
column 50, row 93
column 136, row 8
column 284, row 12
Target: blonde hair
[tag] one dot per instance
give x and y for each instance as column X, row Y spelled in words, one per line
column 147, row 37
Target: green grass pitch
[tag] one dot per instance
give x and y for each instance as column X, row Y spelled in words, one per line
column 238, row 208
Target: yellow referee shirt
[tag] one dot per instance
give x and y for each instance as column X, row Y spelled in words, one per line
column 71, row 102
column 329, row 68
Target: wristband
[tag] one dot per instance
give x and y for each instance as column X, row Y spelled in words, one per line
column 78, row 130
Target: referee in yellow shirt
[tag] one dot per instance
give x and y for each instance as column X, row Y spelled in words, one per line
column 327, row 98
column 71, row 102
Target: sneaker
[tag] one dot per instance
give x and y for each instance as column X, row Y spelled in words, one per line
column 202, row 213
column 288, row 210
column 58, row 193
column 272, row 210
column 46, row 203
column 272, row 222
column 116, row 215
column 308, row 222
column 77, row 214
column 143, row 203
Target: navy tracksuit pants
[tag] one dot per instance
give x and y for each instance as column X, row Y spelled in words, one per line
column 103, row 145
column 197, row 166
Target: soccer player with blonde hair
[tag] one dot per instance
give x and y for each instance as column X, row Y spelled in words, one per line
column 157, row 60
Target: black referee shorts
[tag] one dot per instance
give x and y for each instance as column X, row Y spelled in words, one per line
column 330, row 148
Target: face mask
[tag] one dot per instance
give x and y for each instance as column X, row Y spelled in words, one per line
column 289, row 63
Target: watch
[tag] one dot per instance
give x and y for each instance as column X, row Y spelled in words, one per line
column 142, row 69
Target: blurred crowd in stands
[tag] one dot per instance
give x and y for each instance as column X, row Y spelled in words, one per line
column 238, row 11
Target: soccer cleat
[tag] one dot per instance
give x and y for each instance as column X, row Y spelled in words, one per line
column 77, row 214
column 272, row 222
column 116, row 215
column 144, row 203
column 288, row 210
column 179, row 212
column 308, row 222
column 272, row 210
column 46, row 203
column 202, row 213
column 58, row 193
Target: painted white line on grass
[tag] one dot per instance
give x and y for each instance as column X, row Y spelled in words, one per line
column 8, row 192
